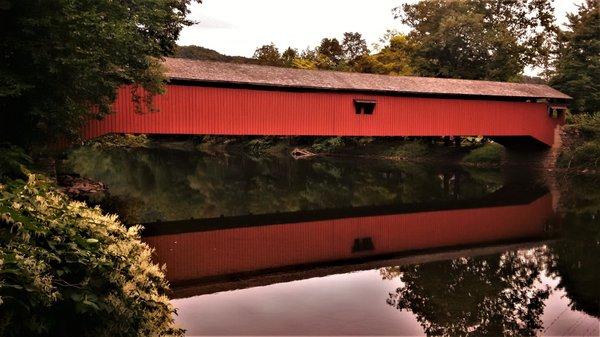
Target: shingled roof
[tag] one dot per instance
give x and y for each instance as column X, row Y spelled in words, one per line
column 287, row 78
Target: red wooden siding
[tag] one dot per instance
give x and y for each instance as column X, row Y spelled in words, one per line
column 187, row 109
column 195, row 255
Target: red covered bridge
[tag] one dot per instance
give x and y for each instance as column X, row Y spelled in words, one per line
column 213, row 98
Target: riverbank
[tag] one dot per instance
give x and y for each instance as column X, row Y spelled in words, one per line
column 581, row 143
column 67, row 269
column 414, row 149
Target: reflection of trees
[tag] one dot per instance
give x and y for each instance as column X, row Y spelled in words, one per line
column 575, row 261
column 575, row 254
column 170, row 184
column 493, row 295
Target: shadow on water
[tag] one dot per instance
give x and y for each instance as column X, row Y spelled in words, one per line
column 460, row 251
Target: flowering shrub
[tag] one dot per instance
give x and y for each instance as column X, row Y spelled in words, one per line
column 68, row 270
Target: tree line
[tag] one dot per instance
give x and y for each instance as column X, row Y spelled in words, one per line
column 471, row 39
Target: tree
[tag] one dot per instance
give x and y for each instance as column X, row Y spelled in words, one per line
column 332, row 50
column 393, row 59
column 288, row 56
column 575, row 260
column 483, row 296
column 479, row 39
column 268, row 55
column 578, row 64
column 62, row 60
column 354, row 47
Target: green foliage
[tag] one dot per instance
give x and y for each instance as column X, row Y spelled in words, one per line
column 478, row 39
column 575, row 260
column 354, row 47
column 488, row 154
column 260, row 145
column 585, row 155
column 163, row 183
column 12, row 162
column 578, row 63
column 62, row 60
column 328, row 145
column 496, row 295
column 268, row 55
column 69, row 270
column 409, row 150
column 332, row 50
column 126, row 140
column 288, row 56
column 393, row 59
column 582, row 140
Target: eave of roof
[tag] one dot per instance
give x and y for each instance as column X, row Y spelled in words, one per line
column 232, row 74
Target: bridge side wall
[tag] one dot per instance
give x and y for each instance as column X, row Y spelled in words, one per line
column 185, row 109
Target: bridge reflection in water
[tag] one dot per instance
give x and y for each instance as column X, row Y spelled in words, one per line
column 211, row 255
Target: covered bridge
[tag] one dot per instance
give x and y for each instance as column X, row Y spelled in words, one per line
column 214, row 98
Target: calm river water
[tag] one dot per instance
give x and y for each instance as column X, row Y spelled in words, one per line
column 327, row 246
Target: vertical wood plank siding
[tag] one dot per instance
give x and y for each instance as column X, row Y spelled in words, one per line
column 196, row 255
column 234, row 111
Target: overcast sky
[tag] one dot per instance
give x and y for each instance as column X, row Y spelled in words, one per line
column 238, row 27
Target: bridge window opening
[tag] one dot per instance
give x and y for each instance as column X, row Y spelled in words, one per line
column 364, row 107
column 363, row 244
column 556, row 111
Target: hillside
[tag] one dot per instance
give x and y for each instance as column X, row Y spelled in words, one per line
column 201, row 53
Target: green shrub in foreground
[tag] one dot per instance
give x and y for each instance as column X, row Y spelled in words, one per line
column 488, row 154
column 68, row 270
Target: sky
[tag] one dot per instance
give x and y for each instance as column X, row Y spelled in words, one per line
column 238, row 27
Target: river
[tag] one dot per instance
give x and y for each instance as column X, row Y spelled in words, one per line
column 347, row 246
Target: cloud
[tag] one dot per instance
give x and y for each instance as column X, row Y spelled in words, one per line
column 208, row 22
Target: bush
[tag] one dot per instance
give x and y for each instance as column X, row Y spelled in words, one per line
column 258, row 146
column 587, row 124
column 69, row 270
column 12, row 161
column 586, row 155
column 330, row 144
column 581, row 146
column 488, row 154
column 120, row 140
column 407, row 150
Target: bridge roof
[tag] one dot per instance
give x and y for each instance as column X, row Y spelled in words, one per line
column 287, row 78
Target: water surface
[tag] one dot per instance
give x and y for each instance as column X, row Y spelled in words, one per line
column 276, row 246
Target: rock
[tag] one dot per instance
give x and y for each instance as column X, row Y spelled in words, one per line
column 298, row 153
column 81, row 187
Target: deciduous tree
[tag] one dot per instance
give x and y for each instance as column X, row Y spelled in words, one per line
column 479, row 39
column 62, row 60
column 354, row 47
column 578, row 64
column 268, row 55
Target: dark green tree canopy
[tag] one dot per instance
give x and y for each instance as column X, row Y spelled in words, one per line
column 354, row 46
column 578, row 63
column 331, row 49
column 288, row 56
column 479, row 39
column 268, row 55
column 62, row 60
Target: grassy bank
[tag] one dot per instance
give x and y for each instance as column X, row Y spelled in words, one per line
column 70, row 270
column 581, row 143
column 397, row 148
column 490, row 154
